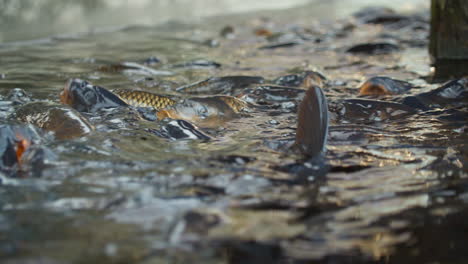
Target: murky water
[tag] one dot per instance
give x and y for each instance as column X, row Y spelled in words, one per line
column 396, row 192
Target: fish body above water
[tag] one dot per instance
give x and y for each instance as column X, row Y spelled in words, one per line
column 383, row 86
column 133, row 68
column 453, row 93
column 85, row 97
column 312, row 123
column 63, row 121
column 144, row 99
column 365, row 110
column 205, row 109
column 268, row 94
column 305, row 80
column 375, row 48
column 15, row 141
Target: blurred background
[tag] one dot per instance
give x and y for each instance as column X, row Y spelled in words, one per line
column 32, row 19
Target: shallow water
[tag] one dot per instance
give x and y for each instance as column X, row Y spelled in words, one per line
column 397, row 190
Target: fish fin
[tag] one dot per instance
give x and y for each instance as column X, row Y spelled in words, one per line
column 312, row 127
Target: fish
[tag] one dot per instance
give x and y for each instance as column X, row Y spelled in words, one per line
column 375, row 48
column 221, row 85
column 365, row 111
column 15, row 142
column 179, row 129
column 85, row 97
column 310, row 139
column 209, row 110
column 18, row 96
column 134, row 68
column 195, row 109
column 380, row 85
column 269, row 94
column 198, row 64
column 304, row 80
column 312, row 123
column 452, row 93
column 63, row 121
column 284, row 89
column 144, row 99
column 379, row 15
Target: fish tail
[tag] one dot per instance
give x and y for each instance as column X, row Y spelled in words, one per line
column 312, row 127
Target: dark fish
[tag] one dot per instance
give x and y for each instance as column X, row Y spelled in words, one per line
column 452, row 93
column 380, row 15
column 383, row 86
column 305, row 80
column 133, row 68
column 374, row 48
column 268, row 94
column 228, row 32
column 198, row 64
column 312, row 123
column 15, row 141
column 63, row 121
column 286, row 44
column 18, row 96
column 151, row 61
column 180, row 129
column 221, row 85
column 365, row 110
column 144, row 99
column 85, row 97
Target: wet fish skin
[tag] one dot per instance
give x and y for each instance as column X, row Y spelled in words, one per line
column 268, row 94
column 15, row 141
column 179, row 129
column 63, row 121
column 144, row 99
column 85, row 97
column 192, row 109
column 378, row 15
column 380, row 85
column 198, row 64
column 18, row 96
column 133, row 68
column 370, row 111
column 375, row 48
column 305, row 80
column 286, row 44
column 206, row 110
column 452, row 93
column 312, row 123
column 285, row 88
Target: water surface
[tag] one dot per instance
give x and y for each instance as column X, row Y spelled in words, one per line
column 397, row 190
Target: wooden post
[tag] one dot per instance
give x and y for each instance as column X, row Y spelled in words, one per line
column 448, row 45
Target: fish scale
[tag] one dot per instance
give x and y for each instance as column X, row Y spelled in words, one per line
column 144, row 99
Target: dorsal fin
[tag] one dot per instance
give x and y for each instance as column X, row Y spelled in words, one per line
column 312, row 124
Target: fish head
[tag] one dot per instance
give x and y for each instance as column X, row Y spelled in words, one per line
column 85, row 97
column 15, row 141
